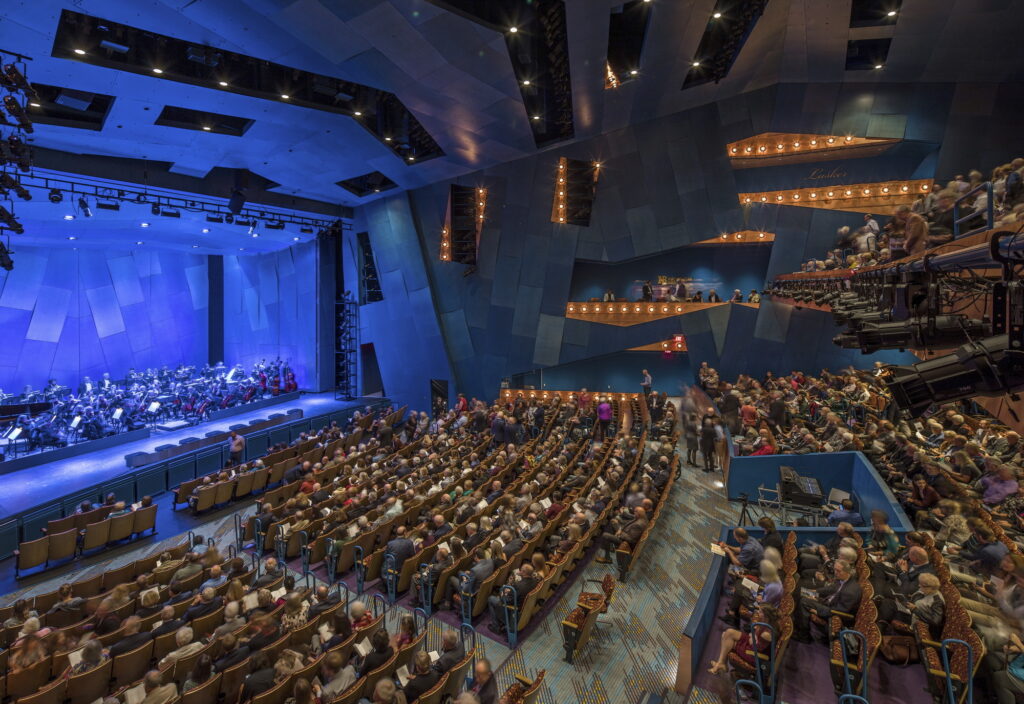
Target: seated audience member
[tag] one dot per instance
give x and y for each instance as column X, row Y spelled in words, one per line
column 483, row 685
column 424, row 677
column 749, row 553
column 156, row 691
column 742, row 644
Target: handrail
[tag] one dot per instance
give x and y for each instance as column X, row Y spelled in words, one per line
column 969, row 679
column 862, row 660
column 989, row 210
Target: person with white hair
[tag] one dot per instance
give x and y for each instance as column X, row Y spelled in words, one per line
column 186, row 646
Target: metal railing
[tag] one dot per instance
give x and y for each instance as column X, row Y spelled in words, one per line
column 959, row 219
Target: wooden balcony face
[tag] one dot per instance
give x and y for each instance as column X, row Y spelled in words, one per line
column 882, row 198
column 777, row 148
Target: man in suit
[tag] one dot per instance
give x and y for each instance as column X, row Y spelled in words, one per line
column 424, row 677
column 484, row 685
column 132, row 638
column 336, row 675
column 481, row 570
column 156, row 691
column 844, row 593
column 523, row 582
column 168, row 624
column 401, row 547
column 325, row 599
column 440, row 530
column 232, row 653
column 206, row 603
column 473, row 537
column 452, row 652
column 629, row 533
column 271, row 572
column 498, row 430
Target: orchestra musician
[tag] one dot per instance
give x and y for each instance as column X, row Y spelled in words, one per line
column 187, row 392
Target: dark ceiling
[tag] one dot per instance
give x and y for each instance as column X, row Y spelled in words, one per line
column 458, row 77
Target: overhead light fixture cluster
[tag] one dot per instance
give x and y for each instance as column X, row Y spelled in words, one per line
column 884, row 194
column 561, row 187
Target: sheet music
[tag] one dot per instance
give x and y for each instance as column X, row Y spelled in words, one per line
column 434, row 656
column 364, row 648
column 445, row 546
column 278, row 593
column 403, row 675
column 751, row 585
column 75, row 657
column 546, row 503
column 118, row 413
column 482, row 506
column 250, row 601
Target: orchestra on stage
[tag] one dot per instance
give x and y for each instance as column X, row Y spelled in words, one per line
column 56, row 416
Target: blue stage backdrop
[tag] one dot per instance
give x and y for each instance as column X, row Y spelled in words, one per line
column 270, row 309
column 66, row 313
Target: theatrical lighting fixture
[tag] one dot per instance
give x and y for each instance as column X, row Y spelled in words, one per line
column 215, row 218
column 170, row 213
column 14, row 109
column 717, row 15
column 80, row 52
column 983, row 368
column 306, row 230
column 56, row 196
column 13, row 79
column 513, row 29
column 878, row 66
column 275, row 225
column 5, row 258
column 9, row 183
column 158, row 70
column 222, row 84
column 7, row 219
column 107, row 205
column 155, row 209
column 285, row 96
column 83, row 206
column 229, row 218
column 915, row 333
column 696, row 64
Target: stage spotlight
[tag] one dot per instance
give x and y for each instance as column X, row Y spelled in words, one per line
column 170, row 213
column 56, row 196
column 108, row 205
column 155, row 208
column 5, row 258
column 9, row 183
column 275, row 225
column 83, row 205
column 984, row 368
column 229, row 218
column 215, row 218
column 915, row 333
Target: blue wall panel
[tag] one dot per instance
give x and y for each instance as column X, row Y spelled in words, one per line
column 67, row 313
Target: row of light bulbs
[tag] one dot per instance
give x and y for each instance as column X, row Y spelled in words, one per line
column 623, row 308
column 840, row 193
column 739, row 235
column 446, row 243
column 560, row 189
column 762, row 149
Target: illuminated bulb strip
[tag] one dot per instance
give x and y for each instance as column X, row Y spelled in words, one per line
column 756, row 147
column 863, row 195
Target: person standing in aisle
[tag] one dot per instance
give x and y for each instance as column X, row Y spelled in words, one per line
column 645, row 384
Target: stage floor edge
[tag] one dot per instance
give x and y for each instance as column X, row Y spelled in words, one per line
column 26, row 488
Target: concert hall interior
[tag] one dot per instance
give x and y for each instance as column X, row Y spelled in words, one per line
column 511, row 352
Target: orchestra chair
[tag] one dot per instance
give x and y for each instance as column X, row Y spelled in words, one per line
column 145, row 519
column 62, row 546
column 28, row 681
column 457, row 675
column 231, row 682
column 132, row 666
column 121, row 527
column 95, row 536
column 435, row 694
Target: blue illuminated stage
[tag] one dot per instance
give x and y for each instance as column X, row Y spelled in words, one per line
column 21, row 490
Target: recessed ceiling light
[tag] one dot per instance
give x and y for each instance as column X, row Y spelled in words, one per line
column 878, row 66
column 143, row 224
column 241, row 249
column 513, row 30
column 72, row 237
column 891, row 13
column 696, row 64
column 223, row 84
column 206, row 127
column 717, row 15
column 387, row 139
column 526, row 82
column 69, row 217
column 357, row 113
column 536, row 117
column 285, row 96
column 412, row 158
column 158, row 70
column 295, row 239
column 35, row 105
column 633, row 72
column 376, row 190
column 80, row 52
column 255, row 234
column 195, row 246
column 139, row 242
column 206, row 230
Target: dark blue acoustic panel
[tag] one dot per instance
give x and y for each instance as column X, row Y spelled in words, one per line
column 180, row 471
column 152, row 481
